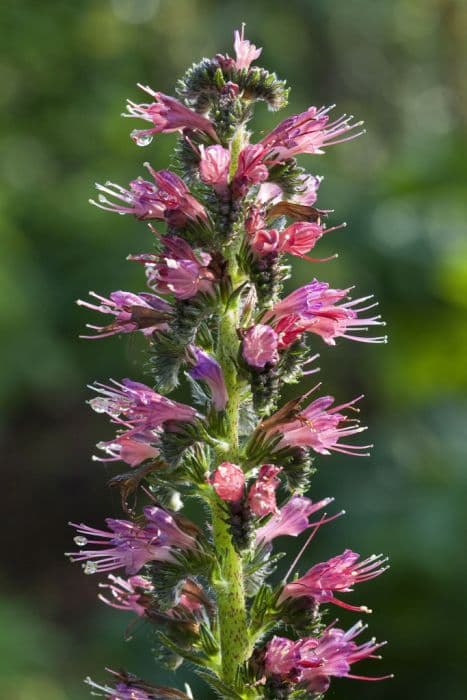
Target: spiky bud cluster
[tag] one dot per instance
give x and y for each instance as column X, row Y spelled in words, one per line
column 215, row 319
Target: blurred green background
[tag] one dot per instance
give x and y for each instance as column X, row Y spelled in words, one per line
column 65, row 70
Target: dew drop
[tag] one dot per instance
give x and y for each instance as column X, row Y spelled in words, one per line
column 80, row 541
column 141, row 139
column 90, row 567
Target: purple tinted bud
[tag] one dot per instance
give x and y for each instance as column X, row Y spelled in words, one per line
column 208, row 370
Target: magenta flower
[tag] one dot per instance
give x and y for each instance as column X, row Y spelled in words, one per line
column 133, row 312
column 321, row 427
column 307, row 132
column 132, row 447
column 140, row 406
column 245, row 52
column 120, row 691
column 313, row 309
column 214, row 167
column 262, row 494
column 129, row 545
column 167, row 198
column 207, row 369
column 281, row 658
column 313, row 661
column 291, row 519
column 259, row 346
column 265, row 241
column 228, row 481
column 142, row 199
column 167, row 115
column 338, row 574
column 129, row 687
column 178, row 270
column 132, row 595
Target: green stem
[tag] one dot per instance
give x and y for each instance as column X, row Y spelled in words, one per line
column 233, row 627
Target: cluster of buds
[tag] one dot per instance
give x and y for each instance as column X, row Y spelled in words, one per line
column 214, row 317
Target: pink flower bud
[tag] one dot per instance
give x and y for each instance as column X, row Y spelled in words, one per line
column 214, row 166
column 228, row 481
column 262, row 495
column 260, row 346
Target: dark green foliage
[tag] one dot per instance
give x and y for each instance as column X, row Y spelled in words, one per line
column 166, row 357
column 292, row 359
column 265, row 389
column 288, row 176
column 257, row 565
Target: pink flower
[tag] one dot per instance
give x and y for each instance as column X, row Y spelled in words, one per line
column 338, row 574
column 228, row 482
column 307, row 132
column 291, row 519
column 259, row 346
column 167, row 198
column 266, row 241
column 132, row 447
column 180, row 203
column 208, row 370
column 129, row 687
column 126, row 544
column 281, row 657
column 245, row 52
column 214, row 167
column 139, row 406
column 178, row 270
column 313, row 309
column 131, row 594
column 312, row 661
column 307, row 190
column 133, row 312
column 262, row 494
column 167, row 115
column 321, row 427
column 250, row 170
column 300, row 237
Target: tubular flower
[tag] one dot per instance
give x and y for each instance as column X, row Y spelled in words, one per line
column 250, row 169
column 292, row 519
column 262, row 494
column 214, row 167
column 313, row 661
column 259, row 346
column 178, row 270
column 132, row 595
column 338, row 574
column 245, row 52
column 128, row 545
column 140, row 406
column 132, row 447
column 207, row 369
column 228, row 482
column 307, row 132
column 314, row 309
column 167, row 115
column 133, row 312
column 321, row 427
column 129, row 687
column 167, row 198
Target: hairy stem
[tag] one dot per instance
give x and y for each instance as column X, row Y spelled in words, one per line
column 233, row 627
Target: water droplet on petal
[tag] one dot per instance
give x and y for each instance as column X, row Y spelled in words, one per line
column 141, row 139
column 80, row 541
column 90, row 567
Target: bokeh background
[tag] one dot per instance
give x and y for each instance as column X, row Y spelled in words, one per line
column 65, row 70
